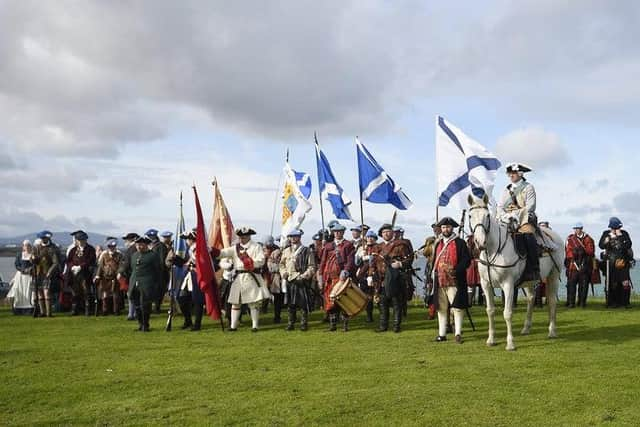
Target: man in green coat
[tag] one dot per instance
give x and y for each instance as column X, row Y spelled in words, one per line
column 145, row 280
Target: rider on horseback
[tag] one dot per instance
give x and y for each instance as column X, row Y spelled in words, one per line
column 517, row 208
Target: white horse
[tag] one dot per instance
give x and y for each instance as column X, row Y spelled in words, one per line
column 500, row 266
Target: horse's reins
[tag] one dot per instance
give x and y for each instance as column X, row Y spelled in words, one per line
column 501, row 246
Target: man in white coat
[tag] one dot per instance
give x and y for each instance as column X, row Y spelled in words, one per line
column 248, row 287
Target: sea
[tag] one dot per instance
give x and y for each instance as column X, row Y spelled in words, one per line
column 7, row 271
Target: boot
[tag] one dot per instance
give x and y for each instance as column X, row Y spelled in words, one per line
column 397, row 316
column 105, row 306
column 571, row 295
column 197, row 325
column 87, row 307
column 146, row 315
column 74, row 306
column 304, row 320
column 384, row 315
column 277, row 308
column 345, row 323
column 139, row 318
column 116, row 304
column 185, row 308
column 532, row 269
column 369, row 312
column 583, row 291
column 41, row 307
column 292, row 318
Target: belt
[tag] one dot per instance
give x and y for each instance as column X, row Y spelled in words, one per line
column 252, row 273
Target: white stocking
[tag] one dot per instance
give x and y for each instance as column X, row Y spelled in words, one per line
column 442, row 323
column 235, row 316
column 457, row 320
column 255, row 316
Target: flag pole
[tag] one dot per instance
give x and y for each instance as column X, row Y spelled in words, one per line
column 275, row 199
column 315, row 137
column 360, row 190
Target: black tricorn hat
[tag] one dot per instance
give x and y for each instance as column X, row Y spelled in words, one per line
column 143, row 239
column 518, row 167
column 245, row 231
column 130, row 236
column 384, row 227
column 447, row 220
column 191, row 235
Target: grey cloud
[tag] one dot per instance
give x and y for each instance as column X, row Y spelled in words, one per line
column 128, row 193
column 84, row 78
column 18, row 221
column 535, row 147
column 627, row 202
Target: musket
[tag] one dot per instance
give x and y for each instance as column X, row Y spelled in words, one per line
column 172, row 299
column 34, row 280
column 606, row 284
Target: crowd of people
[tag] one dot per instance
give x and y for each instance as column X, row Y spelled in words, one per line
column 372, row 268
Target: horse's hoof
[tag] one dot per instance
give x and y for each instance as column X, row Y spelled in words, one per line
column 491, row 343
column 510, row 348
column 524, row 332
column 552, row 336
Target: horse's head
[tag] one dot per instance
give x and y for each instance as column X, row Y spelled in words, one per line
column 479, row 220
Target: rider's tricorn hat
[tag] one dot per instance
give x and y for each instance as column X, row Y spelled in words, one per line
column 447, row 220
column 245, row 231
column 518, row 167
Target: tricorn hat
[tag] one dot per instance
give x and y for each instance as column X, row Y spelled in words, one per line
column 143, row 239
column 130, row 236
column 81, row 236
column 384, row 227
column 245, row 231
column 447, row 220
column 518, row 167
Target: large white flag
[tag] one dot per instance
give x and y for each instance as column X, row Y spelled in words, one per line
column 463, row 166
column 295, row 202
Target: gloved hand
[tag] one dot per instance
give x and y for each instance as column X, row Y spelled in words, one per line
column 284, row 275
column 396, row 264
column 76, row 269
column 370, row 281
column 366, row 257
column 344, row 274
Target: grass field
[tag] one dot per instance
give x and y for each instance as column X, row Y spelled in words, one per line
column 97, row 371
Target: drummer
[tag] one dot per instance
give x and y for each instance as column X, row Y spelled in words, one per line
column 393, row 265
column 337, row 263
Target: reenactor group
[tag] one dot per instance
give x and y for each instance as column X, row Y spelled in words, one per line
column 370, row 269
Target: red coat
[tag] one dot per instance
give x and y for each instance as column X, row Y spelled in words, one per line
column 579, row 253
column 336, row 258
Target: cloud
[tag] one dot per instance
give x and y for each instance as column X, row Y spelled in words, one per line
column 627, row 202
column 130, row 194
column 535, row 147
column 18, row 221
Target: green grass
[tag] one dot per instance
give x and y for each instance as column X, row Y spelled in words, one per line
column 97, row 371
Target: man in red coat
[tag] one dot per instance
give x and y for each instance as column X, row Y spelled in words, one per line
column 450, row 263
column 579, row 253
column 337, row 261
column 81, row 263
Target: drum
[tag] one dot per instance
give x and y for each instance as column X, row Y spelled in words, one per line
column 348, row 296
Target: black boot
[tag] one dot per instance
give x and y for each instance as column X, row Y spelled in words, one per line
column 532, row 269
column 198, row 311
column 345, row 323
column 292, row 318
column 185, row 307
column 583, row 292
column 304, row 320
column 278, row 300
column 369, row 312
column 571, row 294
column 146, row 314
column 384, row 315
column 139, row 318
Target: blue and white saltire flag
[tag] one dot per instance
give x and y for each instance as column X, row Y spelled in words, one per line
column 330, row 190
column 181, row 250
column 463, row 166
column 375, row 185
column 295, row 202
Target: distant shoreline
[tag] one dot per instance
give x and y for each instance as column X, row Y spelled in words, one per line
column 9, row 252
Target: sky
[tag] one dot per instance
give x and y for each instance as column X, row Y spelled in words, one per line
column 108, row 110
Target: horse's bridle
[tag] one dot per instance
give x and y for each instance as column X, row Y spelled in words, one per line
column 486, row 228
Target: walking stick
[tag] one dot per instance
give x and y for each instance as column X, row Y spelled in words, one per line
column 606, row 285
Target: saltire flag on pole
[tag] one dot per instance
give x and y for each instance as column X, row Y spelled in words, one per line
column 294, row 203
column 204, row 266
column 463, row 166
column 180, row 249
column 330, row 190
column 375, row 185
column 221, row 231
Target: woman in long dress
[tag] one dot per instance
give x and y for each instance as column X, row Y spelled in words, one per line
column 20, row 292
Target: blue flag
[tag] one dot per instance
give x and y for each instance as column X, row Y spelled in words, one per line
column 375, row 185
column 330, row 190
